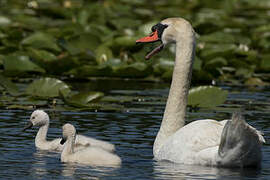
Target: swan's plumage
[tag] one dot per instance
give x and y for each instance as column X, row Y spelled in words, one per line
column 41, row 119
column 91, row 155
column 227, row 143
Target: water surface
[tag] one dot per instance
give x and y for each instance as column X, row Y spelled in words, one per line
column 132, row 131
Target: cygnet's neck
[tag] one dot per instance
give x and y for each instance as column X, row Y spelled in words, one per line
column 174, row 115
column 42, row 133
column 69, row 146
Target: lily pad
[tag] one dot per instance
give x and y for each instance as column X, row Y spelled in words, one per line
column 137, row 69
column 83, row 99
column 9, row 86
column 47, row 88
column 40, row 40
column 17, row 63
column 41, row 55
column 82, row 43
column 90, row 71
column 206, row 96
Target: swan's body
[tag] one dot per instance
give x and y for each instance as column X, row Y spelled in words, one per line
column 41, row 119
column 94, row 156
column 203, row 142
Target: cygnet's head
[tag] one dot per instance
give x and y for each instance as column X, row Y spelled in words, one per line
column 168, row 31
column 69, row 131
column 38, row 118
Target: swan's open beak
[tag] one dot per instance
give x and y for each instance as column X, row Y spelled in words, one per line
column 28, row 125
column 63, row 140
column 153, row 37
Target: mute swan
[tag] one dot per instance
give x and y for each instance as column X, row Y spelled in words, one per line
column 94, row 156
column 41, row 119
column 229, row 143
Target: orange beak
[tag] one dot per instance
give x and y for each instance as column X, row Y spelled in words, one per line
column 151, row 38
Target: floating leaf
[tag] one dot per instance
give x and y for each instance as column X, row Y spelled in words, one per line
column 90, row 71
column 125, row 41
column 40, row 40
column 206, row 96
column 214, row 50
column 9, row 86
column 41, row 55
column 163, row 66
column 137, row 69
column 16, row 64
column 82, row 43
column 47, row 88
column 83, row 99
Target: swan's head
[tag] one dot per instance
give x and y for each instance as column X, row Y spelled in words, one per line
column 38, row 118
column 68, row 132
column 170, row 30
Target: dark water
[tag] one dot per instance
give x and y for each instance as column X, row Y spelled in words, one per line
column 133, row 132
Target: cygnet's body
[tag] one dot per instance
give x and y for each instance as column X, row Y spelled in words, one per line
column 94, row 156
column 41, row 119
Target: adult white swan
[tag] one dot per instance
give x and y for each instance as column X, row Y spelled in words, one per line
column 41, row 119
column 231, row 143
column 91, row 155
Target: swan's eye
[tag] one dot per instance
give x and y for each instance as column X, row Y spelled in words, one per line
column 34, row 117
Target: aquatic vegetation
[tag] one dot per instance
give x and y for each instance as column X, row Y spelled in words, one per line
column 70, row 39
column 73, row 38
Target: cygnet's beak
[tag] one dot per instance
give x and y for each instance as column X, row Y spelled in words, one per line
column 63, row 140
column 28, row 125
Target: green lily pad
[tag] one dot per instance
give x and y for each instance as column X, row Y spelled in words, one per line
column 40, row 40
column 16, row 64
column 214, row 50
column 137, row 69
column 41, row 55
column 163, row 65
column 90, row 71
column 206, row 96
column 47, row 88
column 218, row 37
column 9, row 86
column 83, row 99
column 125, row 41
column 82, row 43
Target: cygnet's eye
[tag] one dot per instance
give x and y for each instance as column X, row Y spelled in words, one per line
column 34, row 117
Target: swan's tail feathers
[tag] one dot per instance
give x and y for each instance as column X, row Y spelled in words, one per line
column 240, row 144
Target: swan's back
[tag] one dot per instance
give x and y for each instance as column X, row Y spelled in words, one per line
column 84, row 141
column 93, row 156
column 190, row 140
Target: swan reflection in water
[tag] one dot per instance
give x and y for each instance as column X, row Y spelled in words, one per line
column 169, row 170
column 43, row 160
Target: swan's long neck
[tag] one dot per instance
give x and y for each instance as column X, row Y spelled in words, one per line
column 174, row 115
column 42, row 134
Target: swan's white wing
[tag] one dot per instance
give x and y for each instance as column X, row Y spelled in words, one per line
column 193, row 141
column 86, row 141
